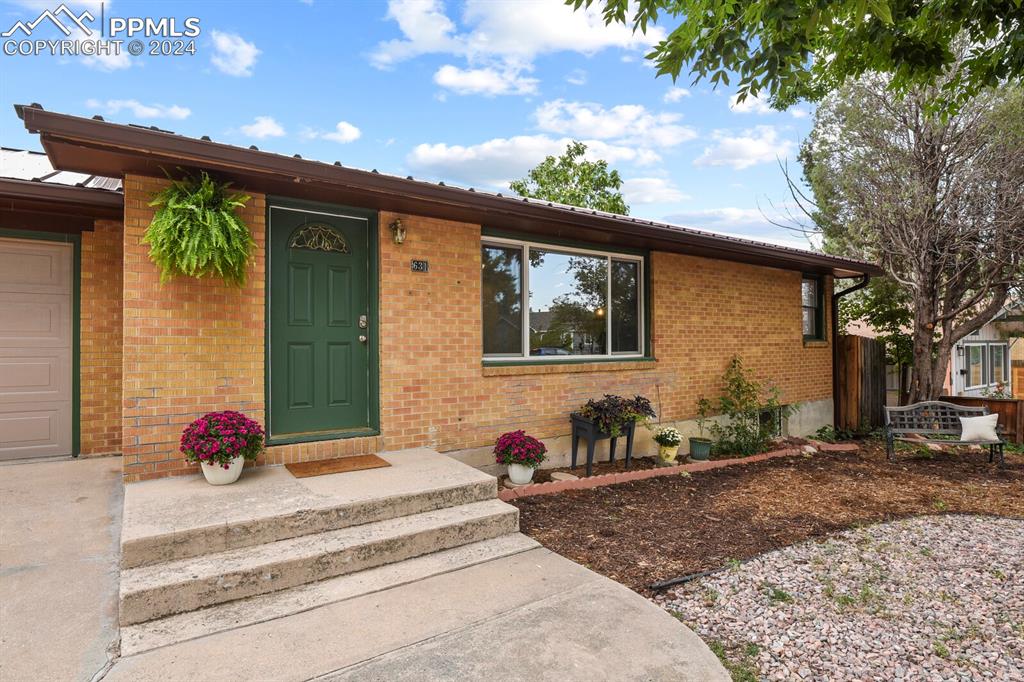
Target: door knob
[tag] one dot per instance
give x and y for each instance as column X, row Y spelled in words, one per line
column 362, row 338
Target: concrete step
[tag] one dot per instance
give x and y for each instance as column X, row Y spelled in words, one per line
column 181, row 518
column 150, row 592
column 182, row 627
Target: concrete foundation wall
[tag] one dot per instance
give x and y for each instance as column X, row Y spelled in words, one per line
column 808, row 418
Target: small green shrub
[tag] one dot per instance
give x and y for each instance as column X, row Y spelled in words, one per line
column 196, row 231
column 744, row 402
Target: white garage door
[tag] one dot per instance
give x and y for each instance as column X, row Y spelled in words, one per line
column 35, row 348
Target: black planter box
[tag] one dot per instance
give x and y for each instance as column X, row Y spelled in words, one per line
column 586, row 428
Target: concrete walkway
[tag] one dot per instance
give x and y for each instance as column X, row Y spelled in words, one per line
column 531, row 616
column 59, row 540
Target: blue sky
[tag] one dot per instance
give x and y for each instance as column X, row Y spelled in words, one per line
column 472, row 92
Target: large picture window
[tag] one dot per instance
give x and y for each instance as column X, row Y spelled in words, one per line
column 548, row 302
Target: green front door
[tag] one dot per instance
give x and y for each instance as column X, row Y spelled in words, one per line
column 319, row 321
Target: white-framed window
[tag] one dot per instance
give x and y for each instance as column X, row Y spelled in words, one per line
column 547, row 302
column 998, row 370
column 987, row 364
column 974, row 355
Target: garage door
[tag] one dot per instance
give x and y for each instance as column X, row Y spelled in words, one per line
column 35, row 348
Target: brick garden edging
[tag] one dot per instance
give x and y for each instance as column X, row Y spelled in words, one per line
column 506, row 494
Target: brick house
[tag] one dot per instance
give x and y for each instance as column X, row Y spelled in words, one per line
column 373, row 345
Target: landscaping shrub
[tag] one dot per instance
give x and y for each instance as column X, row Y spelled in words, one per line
column 745, row 402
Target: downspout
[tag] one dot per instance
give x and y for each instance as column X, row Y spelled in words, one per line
column 835, row 343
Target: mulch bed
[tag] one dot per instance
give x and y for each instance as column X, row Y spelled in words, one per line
column 646, row 531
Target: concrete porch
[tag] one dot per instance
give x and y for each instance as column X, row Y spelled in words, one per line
column 409, row 572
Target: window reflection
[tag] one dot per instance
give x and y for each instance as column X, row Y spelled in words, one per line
column 502, row 287
column 568, row 304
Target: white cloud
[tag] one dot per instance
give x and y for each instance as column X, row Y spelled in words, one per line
column 495, row 162
column 263, row 127
column 233, row 54
column 344, row 132
column 485, row 81
column 108, row 62
column 651, row 191
column 500, row 37
column 140, row 110
column 576, row 77
column 628, row 123
column 751, row 147
column 749, row 223
column 676, row 94
column 752, row 104
column 799, row 113
column 510, row 29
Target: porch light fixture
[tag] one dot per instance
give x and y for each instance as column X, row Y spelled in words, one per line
column 599, row 312
column 397, row 231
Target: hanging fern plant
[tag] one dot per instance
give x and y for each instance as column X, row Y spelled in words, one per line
column 196, row 231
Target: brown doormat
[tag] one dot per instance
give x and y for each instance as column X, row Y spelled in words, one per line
column 340, row 465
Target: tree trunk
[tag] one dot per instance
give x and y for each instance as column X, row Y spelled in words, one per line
column 924, row 333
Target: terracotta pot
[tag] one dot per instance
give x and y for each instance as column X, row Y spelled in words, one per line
column 216, row 474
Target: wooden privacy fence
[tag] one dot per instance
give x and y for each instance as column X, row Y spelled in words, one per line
column 1010, row 411
column 861, row 387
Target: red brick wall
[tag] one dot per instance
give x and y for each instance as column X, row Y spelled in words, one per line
column 434, row 391
column 100, row 339
column 190, row 345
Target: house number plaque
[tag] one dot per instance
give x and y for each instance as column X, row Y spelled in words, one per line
column 420, row 266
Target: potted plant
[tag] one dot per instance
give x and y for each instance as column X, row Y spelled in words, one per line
column 700, row 447
column 521, row 453
column 196, row 231
column 668, row 440
column 614, row 415
column 221, row 442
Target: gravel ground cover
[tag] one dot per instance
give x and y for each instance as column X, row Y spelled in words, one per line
column 926, row 598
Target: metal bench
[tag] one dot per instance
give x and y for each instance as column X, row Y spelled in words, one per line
column 928, row 420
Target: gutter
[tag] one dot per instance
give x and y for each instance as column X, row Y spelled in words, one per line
column 835, row 343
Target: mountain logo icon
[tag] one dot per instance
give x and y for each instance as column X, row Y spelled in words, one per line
column 75, row 21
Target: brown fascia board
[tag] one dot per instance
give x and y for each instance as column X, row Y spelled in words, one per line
column 40, row 197
column 102, row 148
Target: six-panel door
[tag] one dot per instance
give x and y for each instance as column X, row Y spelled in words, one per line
column 319, row 327
column 35, row 348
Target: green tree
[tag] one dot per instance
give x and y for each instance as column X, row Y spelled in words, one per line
column 804, row 49
column 937, row 201
column 570, row 179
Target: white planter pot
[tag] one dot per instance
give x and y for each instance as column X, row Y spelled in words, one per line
column 520, row 474
column 216, row 474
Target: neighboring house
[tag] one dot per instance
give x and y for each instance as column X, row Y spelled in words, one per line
column 980, row 362
column 99, row 357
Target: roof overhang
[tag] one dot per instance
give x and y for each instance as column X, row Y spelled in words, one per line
column 102, row 148
column 30, row 205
